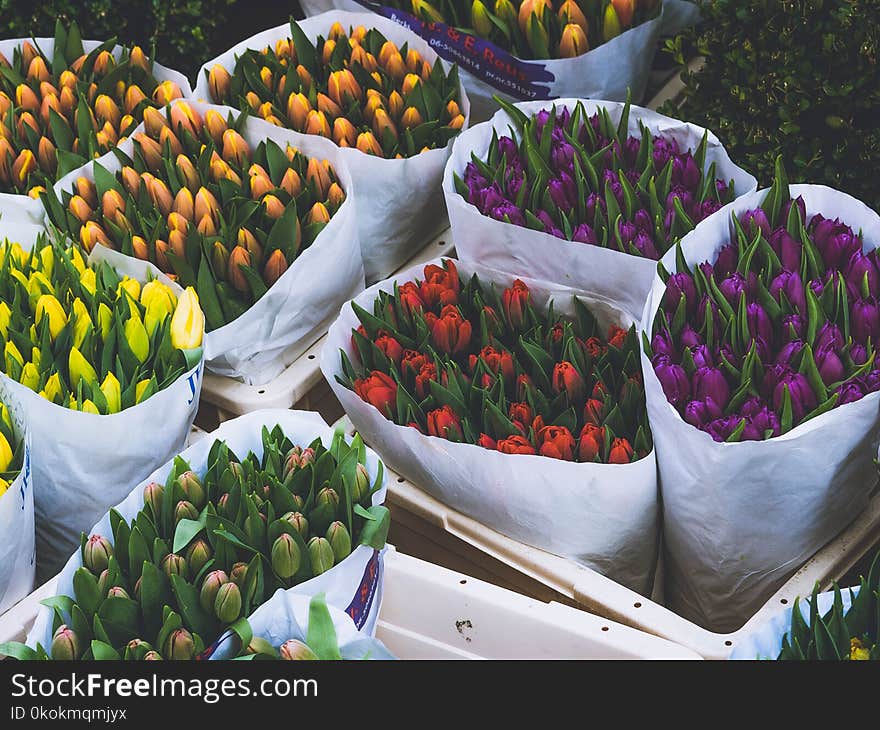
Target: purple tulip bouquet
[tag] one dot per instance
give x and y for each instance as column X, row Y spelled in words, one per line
column 582, row 191
column 759, row 340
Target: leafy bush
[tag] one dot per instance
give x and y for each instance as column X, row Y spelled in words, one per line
column 186, row 33
column 798, row 78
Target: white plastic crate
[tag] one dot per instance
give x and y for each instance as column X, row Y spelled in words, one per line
column 233, row 398
column 429, row 612
column 478, row 549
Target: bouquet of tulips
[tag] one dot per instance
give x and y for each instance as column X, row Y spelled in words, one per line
column 87, row 351
column 191, row 195
column 16, row 506
column 836, row 625
column 62, row 105
column 592, row 175
column 172, row 568
column 293, row 627
column 375, row 89
column 759, row 338
column 468, row 377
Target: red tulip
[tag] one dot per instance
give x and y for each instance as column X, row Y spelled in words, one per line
column 621, row 452
column 557, row 443
column 496, row 361
column 441, row 285
column 411, row 363
column 523, row 383
column 487, row 442
column 592, row 440
column 599, row 390
column 537, row 424
column 379, row 390
column 516, row 445
column 616, row 336
column 392, row 349
column 567, row 378
column 410, row 297
column 423, row 379
column 594, row 411
column 493, row 325
column 450, row 333
column 515, row 300
column 593, row 347
column 444, row 423
column 521, row 412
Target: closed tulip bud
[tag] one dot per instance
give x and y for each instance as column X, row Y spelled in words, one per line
column 49, row 306
column 23, row 166
column 316, row 123
column 335, row 196
column 102, row 582
column 188, row 322
column 65, row 644
column 220, row 257
column 37, row 70
column 112, row 391
column 179, row 646
column 26, row 119
column 154, row 493
column 574, row 41
column 344, row 133
column 414, row 60
column 103, row 63
column 611, row 27
column 260, row 185
column 374, row 101
column 80, row 209
column 188, row 172
column 383, row 125
column 273, row 207
column 258, row 645
column 234, row 275
column 570, row 13
column 140, row 248
column 210, row 587
column 625, row 11
column 216, row 125
column 106, row 110
column 134, row 96
column 367, row 144
column 285, row 556
column 328, row 497
column 166, row 92
column 52, row 389
column 111, row 202
column 294, row 650
column 150, row 150
column 137, row 338
column 395, row 67
column 117, row 592
column 235, row 148
column 26, row 98
column 328, row 107
column 265, row 110
column 28, row 53
column 480, row 20
column 192, row 487
column 206, row 204
column 227, row 603
column 318, row 214
column 275, row 267
column 131, row 180
column 320, row 555
column 174, row 564
column 340, row 541
column 49, row 101
column 411, row 118
column 238, row 573
column 67, row 101
column 360, row 56
column 304, row 76
column 298, row 108
column 154, row 122
column 160, row 195
column 96, row 553
column 299, row 522
column 185, row 119
column 46, row 155
column 185, row 510
column 388, row 49
column 219, row 82
column 169, row 140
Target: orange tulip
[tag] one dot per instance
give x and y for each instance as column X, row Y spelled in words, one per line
column 131, row 181
column 184, row 117
column 291, row 183
column 316, row 123
column 318, row 214
column 238, row 257
column 298, row 109
column 216, row 125
column 275, row 267
column 344, row 131
column 80, row 209
column 235, row 147
column 111, row 203
column 166, row 92
column 219, row 82
column 184, row 204
column 573, row 42
column 367, row 144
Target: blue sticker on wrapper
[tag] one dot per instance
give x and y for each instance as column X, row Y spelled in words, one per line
column 520, row 79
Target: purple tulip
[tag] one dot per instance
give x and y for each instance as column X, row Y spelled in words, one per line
column 760, row 324
column 786, row 209
column 711, row 383
column 707, row 304
column 725, row 352
column 662, row 344
column 803, row 399
column 829, row 335
column 787, row 248
column 689, row 337
column 751, row 406
column 753, row 220
column 793, row 327
column 865, row 321
column 562, row 155
column 765, row 420
column 645, row 245
column 700, row 413
column 830, row 366
column 643, row 222
column 722, row 428
column 858, row 353
column 508, row 148
column 510, row 210
column 834, row 240
column 583, row 233
column 857, row 270
column 789, row 352
column 685, row 171
column 850, row 392
column 680, row 285
column 627, row 231
column 664, row 149
column 772, row 377
column 790, row 283
column 702, row 357
column 590, row 204
column 871, row 381
column 559, row 196
column 675, row 382
column 733, row 287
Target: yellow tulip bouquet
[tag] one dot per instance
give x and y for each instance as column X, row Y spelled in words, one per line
column 85, row 338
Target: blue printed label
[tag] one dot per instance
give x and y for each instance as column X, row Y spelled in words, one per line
column 520, row 79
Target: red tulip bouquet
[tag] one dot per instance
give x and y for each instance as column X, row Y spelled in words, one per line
column 374, row 88
column 762, row 389
column 482, row 387
column 584, row 194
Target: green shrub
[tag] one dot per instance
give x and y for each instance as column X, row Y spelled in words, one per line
column 798, row 78
column 186, row 33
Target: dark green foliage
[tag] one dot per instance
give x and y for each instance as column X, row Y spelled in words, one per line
column 798, row 78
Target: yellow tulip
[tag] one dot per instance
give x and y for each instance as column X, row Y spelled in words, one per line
column 88, row 281
column 11, row 354
column 5, row 316
column 5, row 453
column 52, row 390
column 139, row 389
column 156, row 314
column 132, row 286
column 137, row 337
column 112, row 392
column 35, row 356
column 30, row 377
column 80, row 368
column 155, row 293
column 49, row 306
column 47, row 259
column 105, row 319
column 188, row 322
column 38, row 284
column 6, row 417
column 82, row 322
column 77, row 260
column 89, row 407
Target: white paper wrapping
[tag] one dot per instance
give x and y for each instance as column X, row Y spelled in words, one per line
column 606, row 72
column 740, row 518
column 286, row 616
column 398, row 201
column 82, row 463
column 603, row 516
column 618, row 276
column 21, row 207
column 766, row 642
column 286, row 321
column 360, row 572
column 18, row 560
